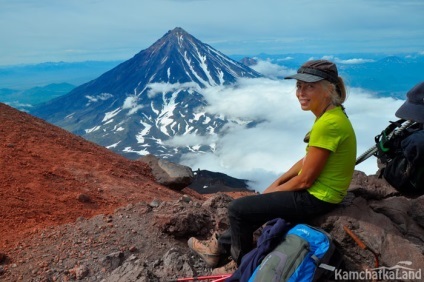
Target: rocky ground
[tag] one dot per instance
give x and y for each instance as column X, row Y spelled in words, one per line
column 149, row 235
column 71, row 209
column 146, row 241
column 74, row 211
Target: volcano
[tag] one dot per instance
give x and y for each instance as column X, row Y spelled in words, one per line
column 136, row 107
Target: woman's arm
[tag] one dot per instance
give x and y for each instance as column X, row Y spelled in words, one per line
column 292, row 172
column 312, row 165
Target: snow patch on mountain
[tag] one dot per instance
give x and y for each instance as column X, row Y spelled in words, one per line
column 110, row 115
column 95, row 128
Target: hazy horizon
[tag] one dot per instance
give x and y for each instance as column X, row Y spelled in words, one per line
column 75, row 31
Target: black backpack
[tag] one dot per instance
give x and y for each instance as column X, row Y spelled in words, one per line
column 400, row 147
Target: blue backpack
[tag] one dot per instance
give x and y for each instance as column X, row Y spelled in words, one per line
column 302, row 255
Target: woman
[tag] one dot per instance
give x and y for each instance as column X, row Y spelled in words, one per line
column 312, row 186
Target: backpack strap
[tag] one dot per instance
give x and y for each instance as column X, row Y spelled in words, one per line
column 318, row 263
column 327, row 267
column 315, row 259
column 384, row 142
column 388, row 141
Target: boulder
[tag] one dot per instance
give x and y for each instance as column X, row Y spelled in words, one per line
column 169, row 174
column 388, row 223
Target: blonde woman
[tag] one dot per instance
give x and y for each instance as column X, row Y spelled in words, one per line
column 314, row 185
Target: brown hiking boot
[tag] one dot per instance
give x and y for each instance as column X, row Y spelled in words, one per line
column 208, row 250
column 229, row 268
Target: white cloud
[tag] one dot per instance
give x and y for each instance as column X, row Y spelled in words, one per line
column 264, row 152
column 100, row 97
column 285, row 59
column 158, row 88
column 354, row 61
column 17, row 104
column 130, row 102
column 252, row 99
column 272, row 70
column 190, row 140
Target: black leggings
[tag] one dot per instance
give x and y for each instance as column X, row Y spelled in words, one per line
column 248, row 213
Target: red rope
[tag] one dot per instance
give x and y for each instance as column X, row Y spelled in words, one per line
column 212, row 278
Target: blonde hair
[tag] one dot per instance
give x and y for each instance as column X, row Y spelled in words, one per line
column 337, row 91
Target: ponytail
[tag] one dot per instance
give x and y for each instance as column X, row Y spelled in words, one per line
column 337, row 91
column 341, row 90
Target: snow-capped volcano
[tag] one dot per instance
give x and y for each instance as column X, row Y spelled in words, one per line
column 156, row 95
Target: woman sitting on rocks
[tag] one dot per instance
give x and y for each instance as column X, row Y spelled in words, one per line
column 314, row 185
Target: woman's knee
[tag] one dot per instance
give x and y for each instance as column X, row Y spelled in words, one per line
column 233, row 208
column 242, row 207
column 236, row 208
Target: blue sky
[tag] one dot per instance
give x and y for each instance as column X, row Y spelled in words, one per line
column 35, row 31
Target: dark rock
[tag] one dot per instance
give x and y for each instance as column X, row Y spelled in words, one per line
column 155, row 203
column 83, row 198
column 416, row 210
column 208, row 182
column 183, row 220
column 371, row 187
column 383, row 225
column 79, row 272
column 176, row 261
column 169, row 174
column 131, row 271
column 113, row 260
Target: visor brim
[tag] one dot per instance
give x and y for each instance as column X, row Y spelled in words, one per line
column 305, row 77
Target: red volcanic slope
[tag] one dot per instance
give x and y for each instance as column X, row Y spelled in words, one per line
column 49, row 176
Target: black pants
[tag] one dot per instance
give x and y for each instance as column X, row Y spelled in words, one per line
column 248, row 213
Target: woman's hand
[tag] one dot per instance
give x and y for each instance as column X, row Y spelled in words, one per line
column 310, row 167
column 292, row 172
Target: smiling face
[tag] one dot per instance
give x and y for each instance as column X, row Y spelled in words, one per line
column 313, row 96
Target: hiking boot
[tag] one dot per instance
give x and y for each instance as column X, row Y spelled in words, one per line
column 208, row 250
column 229, row 268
